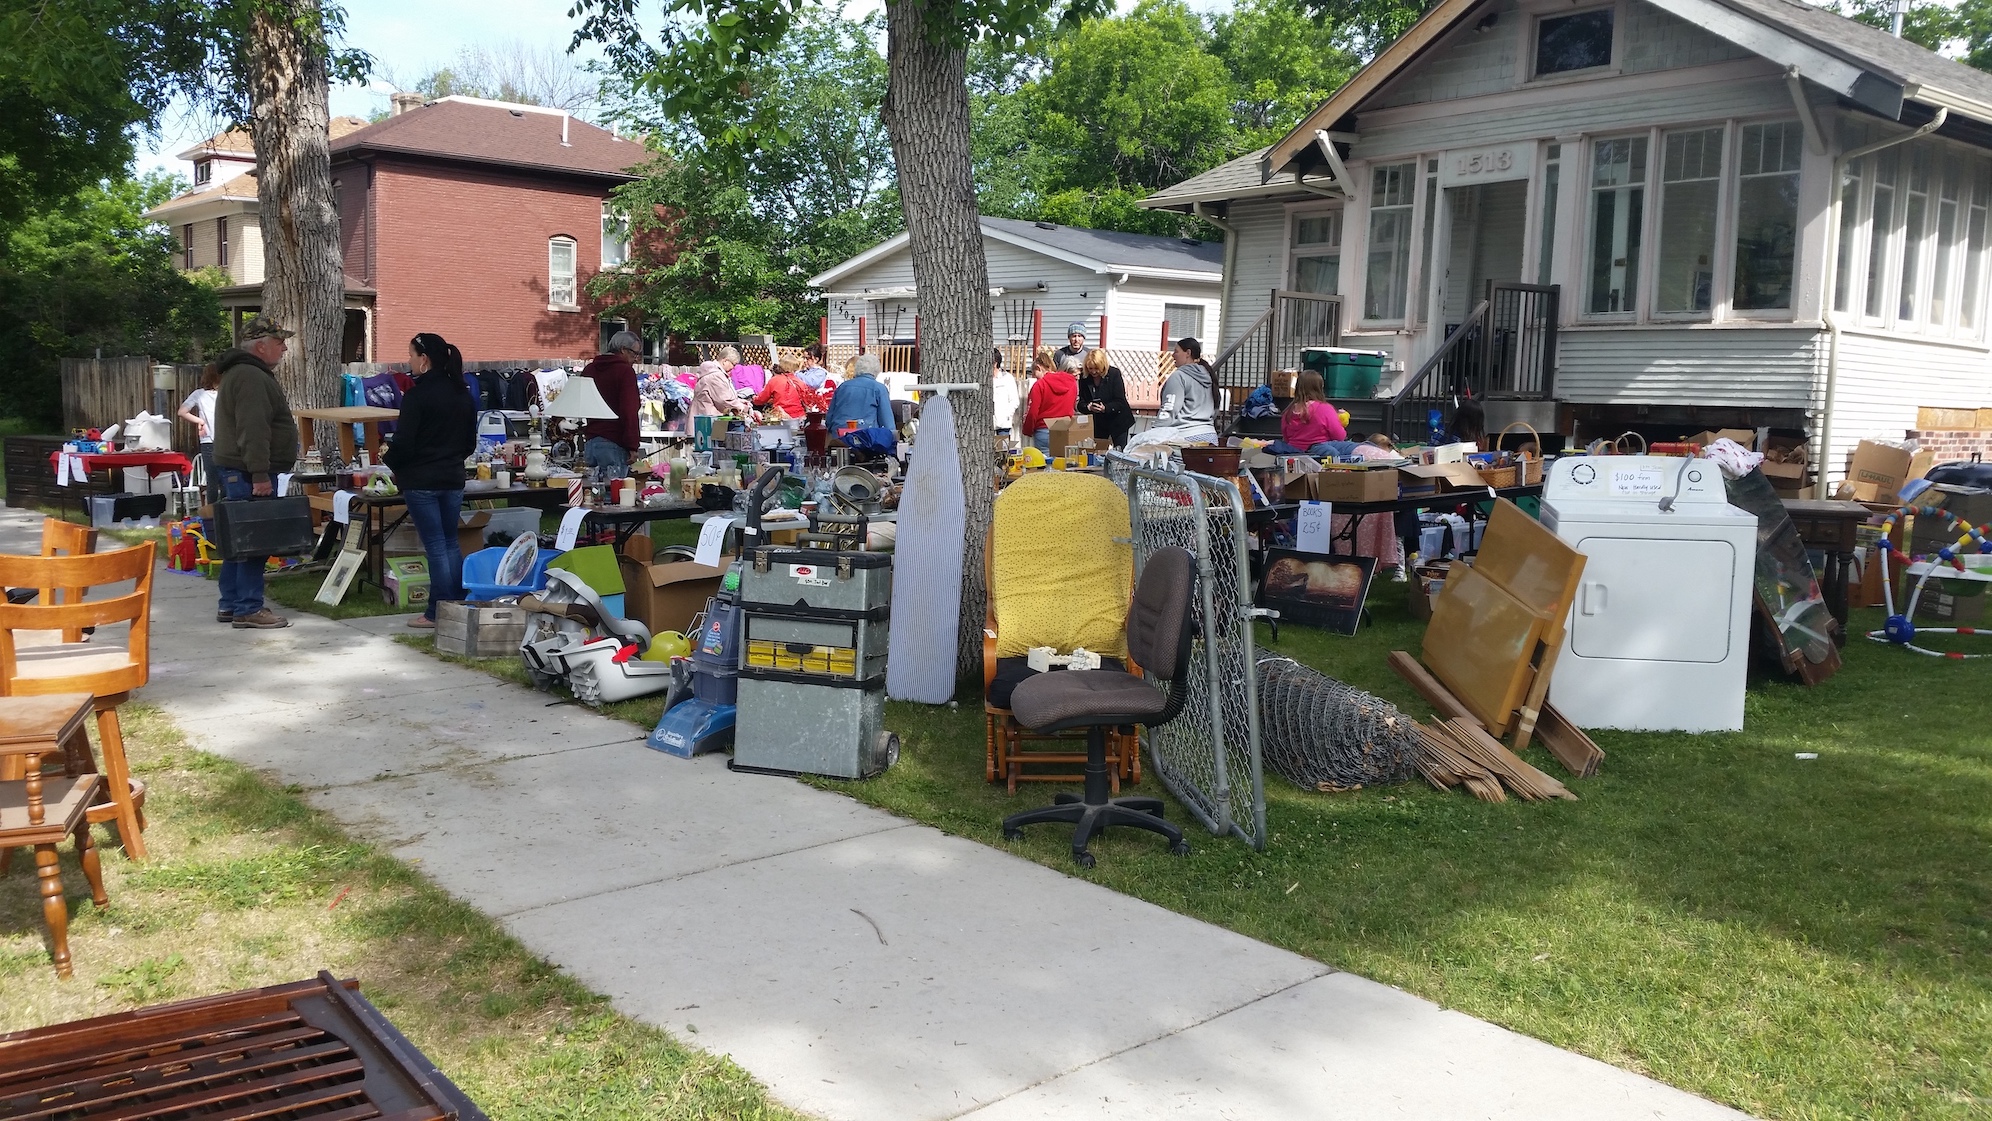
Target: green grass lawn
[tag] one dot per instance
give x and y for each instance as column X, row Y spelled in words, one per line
column 246, row 886
column 1798, row 938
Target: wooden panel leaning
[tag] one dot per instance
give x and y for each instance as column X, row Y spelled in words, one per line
column 40, row 809
column 102, row 667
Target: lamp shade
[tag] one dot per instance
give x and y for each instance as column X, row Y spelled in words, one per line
column 580, row 400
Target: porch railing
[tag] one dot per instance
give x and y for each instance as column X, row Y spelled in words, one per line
column 1506, row 348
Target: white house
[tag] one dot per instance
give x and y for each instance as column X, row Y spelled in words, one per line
column 1693, row 213
column 1043, row 278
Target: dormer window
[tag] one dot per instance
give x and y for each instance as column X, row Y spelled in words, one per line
column 1569, row 43
column 203, row 172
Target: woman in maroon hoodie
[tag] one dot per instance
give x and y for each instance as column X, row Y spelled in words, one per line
column 1054, row 394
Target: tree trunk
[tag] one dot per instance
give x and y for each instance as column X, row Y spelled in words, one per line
column 926, row 114
column 303, row 269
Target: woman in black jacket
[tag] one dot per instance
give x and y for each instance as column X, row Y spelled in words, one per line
column 435, row 433
column 1103, row 395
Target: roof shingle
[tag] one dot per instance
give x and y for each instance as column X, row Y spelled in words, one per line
column 453, row 129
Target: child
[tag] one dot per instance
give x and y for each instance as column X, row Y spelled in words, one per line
column 1309, row 425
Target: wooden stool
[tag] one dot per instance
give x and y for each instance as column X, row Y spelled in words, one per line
column 40, row 810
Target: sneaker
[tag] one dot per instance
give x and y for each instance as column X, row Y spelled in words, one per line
column 264, row 620
column 422, row 623
column 224, row 616
column 1399, row 576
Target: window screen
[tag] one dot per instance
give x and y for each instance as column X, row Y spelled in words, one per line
column 560, row 286
column 1579, row 41
column 1391, row 188
column 1618, row 206
column 1690, row 185
column 1766, row 215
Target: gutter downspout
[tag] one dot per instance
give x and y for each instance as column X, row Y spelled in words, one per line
column 1827, row 285
column 1224, row 278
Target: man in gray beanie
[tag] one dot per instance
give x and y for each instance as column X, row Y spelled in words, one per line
column 1072, row 356
column 611, row 443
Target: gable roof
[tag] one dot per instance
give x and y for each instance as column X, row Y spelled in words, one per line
column 236, row 142
column 1863, row 64
column 1101, row 251
column 472, row 130
column 1241, row 178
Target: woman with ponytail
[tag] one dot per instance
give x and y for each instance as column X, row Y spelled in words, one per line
column 436, row 432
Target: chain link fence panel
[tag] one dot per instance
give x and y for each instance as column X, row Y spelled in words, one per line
column 1321, row 734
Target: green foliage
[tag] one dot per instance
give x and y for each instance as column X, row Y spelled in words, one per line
column 1930, row 25
column 726, row 237
column 88, row 272
column 1365, row 27
column 1282, row 62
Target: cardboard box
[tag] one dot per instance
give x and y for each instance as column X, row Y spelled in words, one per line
column 1743, row 436
column 405, row 582
column 1282, row 381
column 1971, row 504
column 1419, row 480
column 1068, row 430
column 1877, row 471
column 665, row 597
column 470, row 530
column 1347, row 485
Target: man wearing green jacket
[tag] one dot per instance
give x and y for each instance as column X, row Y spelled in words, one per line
column 255, row 440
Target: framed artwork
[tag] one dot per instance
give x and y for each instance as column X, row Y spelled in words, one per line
column 1316, row 590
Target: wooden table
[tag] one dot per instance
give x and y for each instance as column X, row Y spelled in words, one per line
column 368, row 417
column 1832, row 527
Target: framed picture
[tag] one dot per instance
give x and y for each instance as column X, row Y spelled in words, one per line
column 1316, row 590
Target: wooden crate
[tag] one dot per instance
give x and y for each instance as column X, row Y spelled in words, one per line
column 479, row 630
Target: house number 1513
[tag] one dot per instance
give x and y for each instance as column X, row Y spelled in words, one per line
column 1482, row 163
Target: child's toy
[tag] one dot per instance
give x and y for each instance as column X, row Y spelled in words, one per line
column 1900, row 629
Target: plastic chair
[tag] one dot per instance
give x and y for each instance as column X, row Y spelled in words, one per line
column 480, row 573
column 1158, row 634
column 1086, row 515
column 106, row 670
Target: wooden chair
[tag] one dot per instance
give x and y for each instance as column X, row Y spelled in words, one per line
column 107, row 671
column 60, row 538
column 39, row 810
column 1013, row 753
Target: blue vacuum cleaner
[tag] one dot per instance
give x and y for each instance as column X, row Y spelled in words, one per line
column 698, row 708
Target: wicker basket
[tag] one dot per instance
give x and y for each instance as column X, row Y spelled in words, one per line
column 1526, row 471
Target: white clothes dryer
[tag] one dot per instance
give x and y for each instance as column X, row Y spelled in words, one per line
column 1659, row 637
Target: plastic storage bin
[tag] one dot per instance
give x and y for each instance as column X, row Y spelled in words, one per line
column 1344, row 372
column 480, row 570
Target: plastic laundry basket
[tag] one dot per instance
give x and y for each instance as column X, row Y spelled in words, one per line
column 480, row 569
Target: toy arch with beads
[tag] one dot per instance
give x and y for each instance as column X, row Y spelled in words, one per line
column 1899, row 629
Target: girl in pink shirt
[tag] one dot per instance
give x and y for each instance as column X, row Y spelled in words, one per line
column 1309, row 425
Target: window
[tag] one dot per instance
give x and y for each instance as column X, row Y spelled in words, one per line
column 187, row 246
column 1618, row 202
column 560, row 287
column 221, row 242
column 1579, row 41
column 1690, row 186
column 1317, row 252
column 1552, row 173
column 1426, row 222
column 1916, row 207
column 1972, row 298
column 1183, row 320
column 1881, row 224
column 615, row 238
column 1391, row 188
column 203, row 172
column 1850, row 229
column 1941, row 285
column 1767, row 216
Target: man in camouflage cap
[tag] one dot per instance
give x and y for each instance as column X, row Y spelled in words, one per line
column 255, row 440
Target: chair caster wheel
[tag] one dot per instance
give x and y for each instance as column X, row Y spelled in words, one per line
column 1082, row 858
column 1180, row 848
column 1013, row 834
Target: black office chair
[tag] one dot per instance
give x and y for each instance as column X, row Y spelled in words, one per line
column 1158, row 639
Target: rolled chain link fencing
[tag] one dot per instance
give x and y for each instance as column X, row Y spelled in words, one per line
column 1321, row 734
column 1209, row 755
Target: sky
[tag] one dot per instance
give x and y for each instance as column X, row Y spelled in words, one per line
column 410, row 39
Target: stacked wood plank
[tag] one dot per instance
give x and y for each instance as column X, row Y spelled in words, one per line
column 1459, row 752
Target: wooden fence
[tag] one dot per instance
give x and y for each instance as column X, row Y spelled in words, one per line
column 100, row 392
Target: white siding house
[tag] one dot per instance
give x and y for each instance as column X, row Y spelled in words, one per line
column 1043, row 278
column 1751, row 211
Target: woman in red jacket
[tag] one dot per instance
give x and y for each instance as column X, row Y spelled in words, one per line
column 1053, row 395
column 785, row 391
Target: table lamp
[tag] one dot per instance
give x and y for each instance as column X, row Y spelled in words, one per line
column 581, row 400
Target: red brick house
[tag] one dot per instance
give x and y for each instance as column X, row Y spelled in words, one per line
column 482, row 221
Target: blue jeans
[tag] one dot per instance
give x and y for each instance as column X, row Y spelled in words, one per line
column 600, row 453
column 434, row 513
column 1041, row 440
column 1327, row 449
column 241, row 580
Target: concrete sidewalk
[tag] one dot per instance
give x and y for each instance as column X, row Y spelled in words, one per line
column 862, row 966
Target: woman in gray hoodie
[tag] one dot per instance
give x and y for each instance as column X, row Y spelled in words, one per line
column 1189, row 403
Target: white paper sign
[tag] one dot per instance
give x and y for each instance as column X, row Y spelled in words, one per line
column 1636, row 482
column 712, row 537
column 283, row 484
column 570, row 527
column 1313, row 527
column 342, row 507
column 64, row 464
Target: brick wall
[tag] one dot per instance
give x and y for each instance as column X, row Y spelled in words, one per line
column 463, row 253
column 1953, row 444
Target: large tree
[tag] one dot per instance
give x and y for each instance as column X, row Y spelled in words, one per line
column 708, row 59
